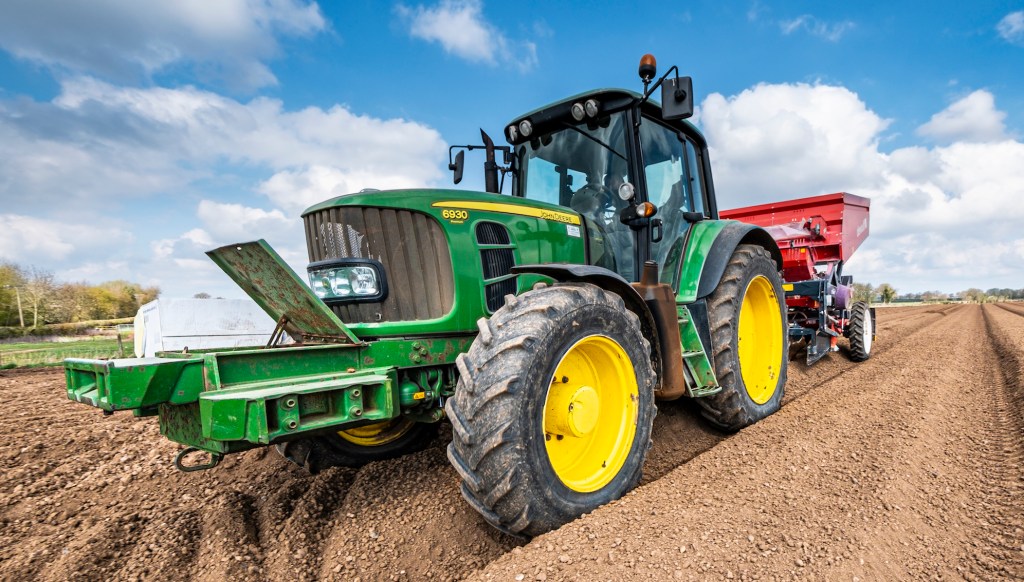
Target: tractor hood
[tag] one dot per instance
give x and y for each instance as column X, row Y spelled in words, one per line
column 444, row 256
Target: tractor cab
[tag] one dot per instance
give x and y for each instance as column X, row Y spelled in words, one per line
column 637, row 180
column 637, row 173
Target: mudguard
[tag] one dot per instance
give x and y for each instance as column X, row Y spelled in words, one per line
column 608, row 280
column 731, row 236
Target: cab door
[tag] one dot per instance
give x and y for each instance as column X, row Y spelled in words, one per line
column 673, row 179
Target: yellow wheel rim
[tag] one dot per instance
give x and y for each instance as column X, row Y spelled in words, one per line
column 590, row 413
column 760, row 340
column 378, row 433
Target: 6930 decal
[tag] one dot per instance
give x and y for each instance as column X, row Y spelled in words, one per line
column 455, row 215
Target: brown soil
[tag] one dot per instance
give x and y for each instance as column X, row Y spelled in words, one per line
column 906, row 466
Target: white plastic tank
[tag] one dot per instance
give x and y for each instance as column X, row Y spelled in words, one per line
column 174, row 324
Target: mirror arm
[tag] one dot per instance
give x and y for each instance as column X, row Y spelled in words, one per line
column 491, row 167
column 654, row 87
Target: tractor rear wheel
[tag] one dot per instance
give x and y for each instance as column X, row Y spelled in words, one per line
column 552, row 415
column 749, row 341
column 861, row 333
column 356, row 447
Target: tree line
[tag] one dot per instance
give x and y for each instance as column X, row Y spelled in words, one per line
column 886, row 293
column 30, row 297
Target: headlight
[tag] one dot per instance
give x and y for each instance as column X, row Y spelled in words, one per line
column 348, row 280
column 525, row 128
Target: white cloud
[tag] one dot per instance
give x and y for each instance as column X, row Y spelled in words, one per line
column 973, row 118
column 756, row 11
column 227, row 40
column 810, row 138
column 205, row 125
column 98, row 150
column 944, row 217
column 29, row 240
column 1011, row 27
column 296, row 190
column 459, row 26
column 180, row 267
column 830, row 31
column 228, row 223
column 97, row 142
column 164, row 248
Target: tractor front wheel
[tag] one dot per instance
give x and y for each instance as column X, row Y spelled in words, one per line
column 356, row 447
column 749, row 341
column 552, row 415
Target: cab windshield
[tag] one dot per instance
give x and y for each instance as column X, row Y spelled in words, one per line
column 581, row 167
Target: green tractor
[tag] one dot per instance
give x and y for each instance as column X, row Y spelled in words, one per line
column 543, row 325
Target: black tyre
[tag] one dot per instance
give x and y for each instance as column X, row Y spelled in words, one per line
column 750, row 341
column 552, row 415
column 861, row 332
column 359, row 446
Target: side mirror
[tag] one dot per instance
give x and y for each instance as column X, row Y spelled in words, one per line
column 460, row 162
column 677, row 98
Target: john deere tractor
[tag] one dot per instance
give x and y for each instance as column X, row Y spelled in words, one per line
column 543, row 325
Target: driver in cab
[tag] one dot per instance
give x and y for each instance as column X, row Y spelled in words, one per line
column 600, row 204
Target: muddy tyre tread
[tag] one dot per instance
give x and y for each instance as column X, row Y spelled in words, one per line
column 731, row 409
column 489, row 426
column 859, row 351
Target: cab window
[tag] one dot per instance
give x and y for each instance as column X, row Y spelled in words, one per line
column 663, row 164
column 666, row 170
column 694, row 178
column 580, row 166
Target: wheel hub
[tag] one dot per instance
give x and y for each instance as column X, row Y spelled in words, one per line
column 574, row 412
column 590, row 413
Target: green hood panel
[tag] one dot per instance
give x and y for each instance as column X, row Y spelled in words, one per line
column 275, row 287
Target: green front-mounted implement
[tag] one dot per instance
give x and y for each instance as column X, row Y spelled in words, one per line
column 224, row 401
column 543, row 325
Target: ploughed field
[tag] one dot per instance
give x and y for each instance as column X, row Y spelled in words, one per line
column 907, row 466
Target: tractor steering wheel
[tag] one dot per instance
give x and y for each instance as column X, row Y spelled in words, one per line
column 594, row 201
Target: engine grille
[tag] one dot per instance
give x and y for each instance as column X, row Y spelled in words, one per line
column 409, row 244
column 492, row 233
column 496, row 264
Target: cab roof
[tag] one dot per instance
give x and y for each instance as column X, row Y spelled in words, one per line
column 610, row 99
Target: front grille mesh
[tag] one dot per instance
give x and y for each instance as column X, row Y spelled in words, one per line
column 491, row 233
column 496, row 263
column 496, row 293
column 410, row 245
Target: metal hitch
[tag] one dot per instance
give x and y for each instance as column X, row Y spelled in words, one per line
column 179, row 459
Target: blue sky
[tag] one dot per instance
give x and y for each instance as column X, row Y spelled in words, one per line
column 134, row 137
